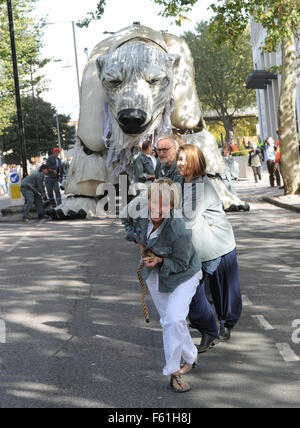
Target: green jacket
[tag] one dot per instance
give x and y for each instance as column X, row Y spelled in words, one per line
column 35, row 182
column 143, row 168
column 173, row 245
column 162, row 171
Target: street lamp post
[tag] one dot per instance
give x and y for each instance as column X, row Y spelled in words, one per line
column 58, row 131
column 76, row 59
column 17, row 88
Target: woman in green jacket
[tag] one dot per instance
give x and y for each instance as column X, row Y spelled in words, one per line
column 172, row 274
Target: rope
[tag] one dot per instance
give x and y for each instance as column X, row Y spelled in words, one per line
column 144, row 306
column 146, row 253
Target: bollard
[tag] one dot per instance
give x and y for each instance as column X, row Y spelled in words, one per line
column 15, row 187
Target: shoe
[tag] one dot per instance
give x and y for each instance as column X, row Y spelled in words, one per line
column 178, row 380
column 26, row 220
column 207, row 342
column 224, row 334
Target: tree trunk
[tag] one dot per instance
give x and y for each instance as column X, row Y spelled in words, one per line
column 229, row 128
column 289, row 152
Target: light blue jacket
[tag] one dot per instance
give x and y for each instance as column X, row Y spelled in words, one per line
column 231, row 171
column 212, row 232
column 173, row 245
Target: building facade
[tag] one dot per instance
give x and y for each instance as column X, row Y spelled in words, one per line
column 267, row 84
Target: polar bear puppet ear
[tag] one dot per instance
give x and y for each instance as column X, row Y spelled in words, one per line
column 100, row 61
column 90, row 124
column 187, row 108
column 173, row 60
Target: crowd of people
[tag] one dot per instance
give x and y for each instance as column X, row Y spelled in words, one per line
column 42, row 182
column 184, row 237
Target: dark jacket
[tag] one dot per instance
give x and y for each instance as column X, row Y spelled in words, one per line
column 34, row 182
column 56, row 165
column 143, row 168
column 255, row 157
column 162, row 171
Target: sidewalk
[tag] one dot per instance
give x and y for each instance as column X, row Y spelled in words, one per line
column 249, row 192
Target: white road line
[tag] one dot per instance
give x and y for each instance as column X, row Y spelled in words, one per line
column 19, row 241
column 246, row 301
column 287, row 353
column 29, row 232
column 263, row 322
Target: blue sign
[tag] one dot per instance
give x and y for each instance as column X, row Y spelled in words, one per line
column 14, row 178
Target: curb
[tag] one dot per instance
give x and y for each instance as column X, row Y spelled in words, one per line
column 274, row 201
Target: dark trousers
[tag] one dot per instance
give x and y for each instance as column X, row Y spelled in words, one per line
column 32, row 198
column 225, row 290
column 257, row 172
column 52, row 186
column 273, row 170
column 201, row 314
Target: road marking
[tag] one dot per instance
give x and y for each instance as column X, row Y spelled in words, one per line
column 24, row 236
column 287, row 353
column 246, row 301
column 263, row 322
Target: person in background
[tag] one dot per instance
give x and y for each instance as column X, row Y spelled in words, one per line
column 55, row 173
column 2, row 182
column 254, row 161
column 167, row 153
column 230, row 175
column 270, row 157
column 144, row 164
column 33, row 190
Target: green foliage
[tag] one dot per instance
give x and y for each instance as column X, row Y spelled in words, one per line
column 40, row 130
column 176, row 9
column 221, row 73
column 93, row 15
column 28, row 36
column 240, row 153
column 280, row 18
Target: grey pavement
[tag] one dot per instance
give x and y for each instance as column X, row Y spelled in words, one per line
column 72, row 332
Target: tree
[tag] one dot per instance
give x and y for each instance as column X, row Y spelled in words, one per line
column 28, row 36
column 281, row 20
column 47, row 131
column 221, row 74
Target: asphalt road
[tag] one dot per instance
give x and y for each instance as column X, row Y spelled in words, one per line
column 72, row 332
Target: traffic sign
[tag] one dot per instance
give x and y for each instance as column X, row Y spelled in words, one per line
column 14, row 178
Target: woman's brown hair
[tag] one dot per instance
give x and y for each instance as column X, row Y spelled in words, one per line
column 195, row 163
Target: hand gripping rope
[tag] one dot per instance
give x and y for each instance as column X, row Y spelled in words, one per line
column 146, row 253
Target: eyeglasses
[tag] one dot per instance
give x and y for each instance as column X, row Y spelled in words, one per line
column 164, row 150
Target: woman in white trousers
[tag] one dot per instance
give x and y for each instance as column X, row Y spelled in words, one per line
column 172, row 271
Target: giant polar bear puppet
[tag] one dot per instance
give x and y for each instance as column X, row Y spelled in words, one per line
column 137, row 83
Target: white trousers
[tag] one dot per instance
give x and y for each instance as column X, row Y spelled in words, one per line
column 173, row 309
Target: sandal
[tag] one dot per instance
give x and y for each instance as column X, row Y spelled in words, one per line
column 186, row 367
column 178, row 379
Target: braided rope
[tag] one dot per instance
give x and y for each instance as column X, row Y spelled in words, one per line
column 146, row 253
column 144, row 290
